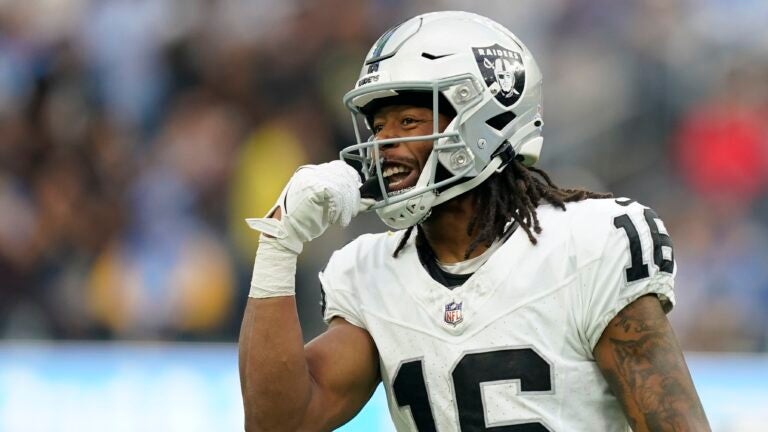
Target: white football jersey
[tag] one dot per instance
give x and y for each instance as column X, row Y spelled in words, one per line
column 511, row 347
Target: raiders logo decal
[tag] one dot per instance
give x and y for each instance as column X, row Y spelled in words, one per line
column 503, row 72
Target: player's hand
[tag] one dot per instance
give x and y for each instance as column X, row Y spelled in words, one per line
column 314, row 198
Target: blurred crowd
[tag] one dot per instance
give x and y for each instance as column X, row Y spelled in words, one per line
column 136, row 135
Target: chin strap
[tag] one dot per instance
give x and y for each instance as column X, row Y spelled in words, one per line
column 506, row 153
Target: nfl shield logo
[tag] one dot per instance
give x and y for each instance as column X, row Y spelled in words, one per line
column 453, row 314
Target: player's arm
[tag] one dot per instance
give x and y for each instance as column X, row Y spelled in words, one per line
column 287, row 386
column 640, row 358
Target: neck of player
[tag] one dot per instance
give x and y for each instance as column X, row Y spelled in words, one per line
column 446, row 230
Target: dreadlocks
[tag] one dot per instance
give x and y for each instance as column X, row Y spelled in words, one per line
column 513, row 194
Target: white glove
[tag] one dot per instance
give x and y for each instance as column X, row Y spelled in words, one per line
column 315, row 197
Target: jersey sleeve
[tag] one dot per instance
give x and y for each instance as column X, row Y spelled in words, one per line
column 637, row 259
column 339, row 297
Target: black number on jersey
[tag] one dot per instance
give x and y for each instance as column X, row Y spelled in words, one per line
column 638, row 269
column 524, row 365
column 411, row 390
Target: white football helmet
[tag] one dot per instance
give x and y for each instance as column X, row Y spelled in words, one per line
column 492, row 83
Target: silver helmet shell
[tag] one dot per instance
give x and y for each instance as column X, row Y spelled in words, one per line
column 492, row 83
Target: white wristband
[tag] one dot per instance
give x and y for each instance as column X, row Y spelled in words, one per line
column 274, row 271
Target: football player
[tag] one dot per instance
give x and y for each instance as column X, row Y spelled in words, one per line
column 500, row 302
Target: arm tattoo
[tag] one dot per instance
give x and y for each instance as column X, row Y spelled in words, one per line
column 649, row 371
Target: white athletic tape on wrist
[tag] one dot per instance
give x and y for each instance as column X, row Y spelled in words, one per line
column 274, row 270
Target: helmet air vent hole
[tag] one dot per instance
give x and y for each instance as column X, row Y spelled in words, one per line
column 429, row 56
column 500, row 121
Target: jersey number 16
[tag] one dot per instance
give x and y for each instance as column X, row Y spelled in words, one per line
column 638, row 269
column 524, row 365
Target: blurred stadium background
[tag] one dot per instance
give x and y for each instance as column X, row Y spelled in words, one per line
column 136, row 135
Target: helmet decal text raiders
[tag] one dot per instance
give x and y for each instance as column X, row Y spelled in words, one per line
column 503, row 72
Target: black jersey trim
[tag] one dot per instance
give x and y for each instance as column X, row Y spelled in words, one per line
column 444, row 278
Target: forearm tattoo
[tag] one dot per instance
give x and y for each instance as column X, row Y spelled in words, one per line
column 650, row 374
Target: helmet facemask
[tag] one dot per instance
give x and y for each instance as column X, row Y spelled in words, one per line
column 403, row 208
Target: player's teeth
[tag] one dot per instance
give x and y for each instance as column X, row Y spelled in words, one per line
column 401, row 191
column 398, row 183
column 400, row 179
column 394, row 170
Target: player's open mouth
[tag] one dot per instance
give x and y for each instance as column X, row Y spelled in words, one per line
column 399, row 178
